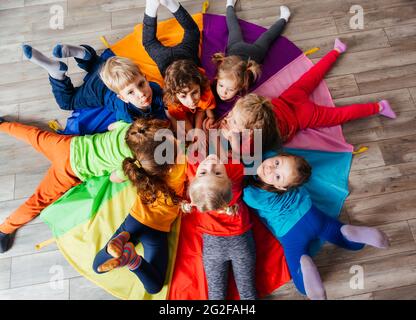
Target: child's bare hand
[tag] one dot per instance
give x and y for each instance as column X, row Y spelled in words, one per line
column 211, row 124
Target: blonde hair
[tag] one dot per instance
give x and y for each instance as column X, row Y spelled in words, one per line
column 118, row 72
column 243, row 72
column 210, row 196
column 257, row 112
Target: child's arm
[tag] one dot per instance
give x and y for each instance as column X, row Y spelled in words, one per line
column 115, row 178
column 209, row 123
column 112, row 126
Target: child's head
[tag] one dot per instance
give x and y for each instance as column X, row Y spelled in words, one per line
column 211, row 188
column 255, row 112
column 282, row 173
column 234, row 75
column 146, row 174
column 124, row 77
column 184, row 83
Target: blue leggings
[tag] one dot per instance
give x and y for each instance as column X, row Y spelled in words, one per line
column 313, row 225
column 91, row 93
column 152, row 268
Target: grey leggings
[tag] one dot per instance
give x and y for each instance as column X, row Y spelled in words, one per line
column 239, row 252
column 256, row 51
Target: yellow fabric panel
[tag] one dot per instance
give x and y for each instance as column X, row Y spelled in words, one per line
column 169, row 32
column 81, row 244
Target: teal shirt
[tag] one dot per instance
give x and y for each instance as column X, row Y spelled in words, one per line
column 280, row 212
column 100, row 154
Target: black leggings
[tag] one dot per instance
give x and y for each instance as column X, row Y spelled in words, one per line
column 164, row 56
column 256, row 51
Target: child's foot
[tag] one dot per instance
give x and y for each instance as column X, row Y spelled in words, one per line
column 312, row 282
column 366, row 235
column 340, row 46
column 172, row 5
column 129, row 258
column 231, row 3
column 386, row 110
column 116, row 245
column 151, row 8
column 284, row 13
column 56, row 69
column 67, row 50
column 6, row 241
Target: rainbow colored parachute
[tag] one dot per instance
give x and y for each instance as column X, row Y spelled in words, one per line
column 85, row 218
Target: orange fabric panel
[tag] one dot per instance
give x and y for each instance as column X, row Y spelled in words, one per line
column 169, row 32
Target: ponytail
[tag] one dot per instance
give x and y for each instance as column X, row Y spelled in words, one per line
column 218, row 58
column 250, row 75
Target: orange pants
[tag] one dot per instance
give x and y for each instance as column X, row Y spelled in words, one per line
column 59, row 178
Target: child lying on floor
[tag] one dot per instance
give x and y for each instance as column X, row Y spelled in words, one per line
column 187, row 93
column 293, row 110
column 277, row 195
column 114, row 83
column 215, row 192
column 240, row 67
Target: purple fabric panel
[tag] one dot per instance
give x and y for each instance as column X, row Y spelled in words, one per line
column 215, row 35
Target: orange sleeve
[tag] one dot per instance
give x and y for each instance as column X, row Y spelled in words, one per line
column 177, row 111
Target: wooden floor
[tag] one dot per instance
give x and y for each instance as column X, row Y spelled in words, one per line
column 380, row 63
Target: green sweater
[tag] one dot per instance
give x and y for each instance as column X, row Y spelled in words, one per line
column 100, row 154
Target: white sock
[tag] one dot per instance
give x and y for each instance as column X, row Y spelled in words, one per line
column 230, row 3
column 172, row 5
column 67, row 50
column 56, row 69
column 151, row 8
column 284, row 13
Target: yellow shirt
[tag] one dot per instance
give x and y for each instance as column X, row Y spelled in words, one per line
column 160, row 215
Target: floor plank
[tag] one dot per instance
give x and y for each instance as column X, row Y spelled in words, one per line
column 40, row 268
column 381, row 18
column 376, row 210
column 5, row 269
column 83, row 289
column 42, row 291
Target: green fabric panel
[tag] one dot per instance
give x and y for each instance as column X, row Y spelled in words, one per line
column 80, row 204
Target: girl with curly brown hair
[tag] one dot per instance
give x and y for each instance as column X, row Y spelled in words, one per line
column 160, row 186
column 187, row 93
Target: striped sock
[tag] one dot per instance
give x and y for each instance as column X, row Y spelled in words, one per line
column 130, row 258
column 116, row 245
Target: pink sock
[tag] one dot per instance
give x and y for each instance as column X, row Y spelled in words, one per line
column 314, row 287
column 340, row 46
column 366, row 235
column 386, row 110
